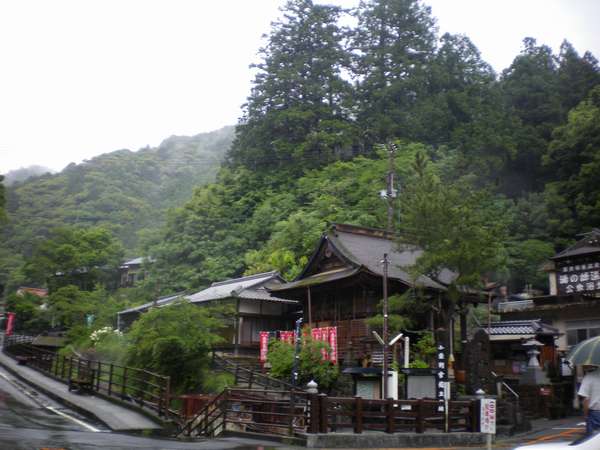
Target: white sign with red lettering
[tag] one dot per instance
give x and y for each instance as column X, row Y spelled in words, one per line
column 488, row 416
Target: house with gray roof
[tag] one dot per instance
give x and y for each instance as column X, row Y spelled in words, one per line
column 254, row 307
column 573, row 303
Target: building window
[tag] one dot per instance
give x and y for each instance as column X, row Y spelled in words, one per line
column 580, row 330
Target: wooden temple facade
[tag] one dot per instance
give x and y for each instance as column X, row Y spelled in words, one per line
column 342, row 286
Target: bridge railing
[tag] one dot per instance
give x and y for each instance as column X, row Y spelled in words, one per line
column 147, row 390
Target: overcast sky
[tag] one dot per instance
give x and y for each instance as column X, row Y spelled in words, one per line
column 80, row 78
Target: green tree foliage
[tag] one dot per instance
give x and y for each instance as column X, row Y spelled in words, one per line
column 297, row 113
column 525, row 264
column 574, row 158
column 175, row 341
column 458, row 228
column 393, row 43
column 79, row 256
column 311, row 364
column 124, row 191
column 30, row 317
column 2, row 202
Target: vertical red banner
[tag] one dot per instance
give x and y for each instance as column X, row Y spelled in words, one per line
column 325, row 338
column 286, row 336
column 333, row 348
column 10, row 323
column 264, row 346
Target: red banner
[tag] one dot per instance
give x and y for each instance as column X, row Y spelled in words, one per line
column 287, row 336
column 264, row 346
column 324, row 334
column 333, row 348
column 329, row 336
column 10, row 323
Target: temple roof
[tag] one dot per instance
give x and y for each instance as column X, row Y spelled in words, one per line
column 588, row 245
column 362, row 250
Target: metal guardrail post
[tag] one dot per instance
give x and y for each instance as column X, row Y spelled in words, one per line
column 123, row 382
column 98, row 375
column 110, row 379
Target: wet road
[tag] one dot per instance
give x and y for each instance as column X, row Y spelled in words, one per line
column 29, row 420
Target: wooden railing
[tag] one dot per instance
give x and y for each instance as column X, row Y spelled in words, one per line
column 251, row 410
column 252, row 378
column 341, row 414
column 142, row 388
column 290, row 412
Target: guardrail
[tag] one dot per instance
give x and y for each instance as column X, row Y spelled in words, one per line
column 147, row 390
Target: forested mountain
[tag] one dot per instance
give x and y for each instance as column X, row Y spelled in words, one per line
column 126, row 192
column 15, row 176
column 306, row 149
column 520, row 148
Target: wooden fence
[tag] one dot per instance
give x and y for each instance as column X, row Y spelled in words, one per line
column 142, row 388
column 292, row 412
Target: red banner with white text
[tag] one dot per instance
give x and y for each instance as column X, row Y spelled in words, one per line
column 264, row 346
column 10, row 323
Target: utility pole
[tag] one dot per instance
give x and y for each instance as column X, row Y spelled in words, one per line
column 390, row 191
column 385, row 326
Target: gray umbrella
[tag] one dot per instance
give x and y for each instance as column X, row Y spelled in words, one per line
column 586, row 352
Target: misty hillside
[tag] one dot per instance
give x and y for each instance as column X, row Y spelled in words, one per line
column 24, row 173
column 123, row 190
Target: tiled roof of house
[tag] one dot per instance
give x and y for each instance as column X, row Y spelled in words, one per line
column 520, row 327
column 161, row 301
column 251, row 287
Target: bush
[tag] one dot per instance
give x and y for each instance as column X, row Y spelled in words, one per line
column 311, row 365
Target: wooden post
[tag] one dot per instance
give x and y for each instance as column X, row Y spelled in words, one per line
column 110, row 379
column 292, row 412
column 474, row 409
column 389, row 415
column 323, row 413
column 314, row 414
column 358, row 414
column 419, row 422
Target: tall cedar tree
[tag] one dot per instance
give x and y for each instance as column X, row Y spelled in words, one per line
column 392, row 45
column 296, row 116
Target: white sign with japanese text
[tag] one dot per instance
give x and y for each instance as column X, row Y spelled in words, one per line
column 488, row 416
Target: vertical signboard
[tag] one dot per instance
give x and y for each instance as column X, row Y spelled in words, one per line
column 442, row 377
column 488, row 416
